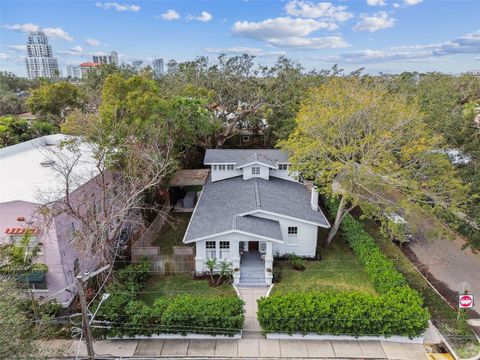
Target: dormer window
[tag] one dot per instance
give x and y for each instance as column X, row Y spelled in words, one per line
column 231, row 167
column 282, row 166
column 256, row 170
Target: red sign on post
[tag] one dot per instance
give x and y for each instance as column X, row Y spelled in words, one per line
column 465, row 301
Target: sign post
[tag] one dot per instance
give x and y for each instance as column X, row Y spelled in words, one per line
column 465, row 301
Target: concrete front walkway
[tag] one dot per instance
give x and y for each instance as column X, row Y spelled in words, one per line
column 251, row 326
column 252, row 348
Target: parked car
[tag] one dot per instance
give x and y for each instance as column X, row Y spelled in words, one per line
column 398, row 229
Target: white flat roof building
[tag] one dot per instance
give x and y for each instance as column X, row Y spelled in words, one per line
column 27, row 172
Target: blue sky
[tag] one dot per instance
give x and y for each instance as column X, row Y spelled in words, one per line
column 380, row 35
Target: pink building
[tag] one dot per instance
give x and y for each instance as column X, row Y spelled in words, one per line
column 27, row 182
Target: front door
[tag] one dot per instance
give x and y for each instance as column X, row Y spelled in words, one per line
column 253, row 246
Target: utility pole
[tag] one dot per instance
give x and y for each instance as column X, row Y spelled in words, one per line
column 85, row 320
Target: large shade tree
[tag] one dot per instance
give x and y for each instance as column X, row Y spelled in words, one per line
column 243, row 95
column 371, row 148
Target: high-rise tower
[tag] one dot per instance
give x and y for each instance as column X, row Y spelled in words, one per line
column 40, row 61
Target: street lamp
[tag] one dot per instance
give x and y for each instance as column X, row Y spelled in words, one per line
column 105, row 296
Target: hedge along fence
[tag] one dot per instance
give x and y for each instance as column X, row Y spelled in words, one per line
column 398, row 310
column 123, row 315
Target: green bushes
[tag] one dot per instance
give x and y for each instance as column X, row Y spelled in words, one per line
column 123, row 315
column 397, row 310
column 340, row 313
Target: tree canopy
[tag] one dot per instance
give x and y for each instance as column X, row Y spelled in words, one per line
column 372, row 147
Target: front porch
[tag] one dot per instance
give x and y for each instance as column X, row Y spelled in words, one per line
column 251, row 260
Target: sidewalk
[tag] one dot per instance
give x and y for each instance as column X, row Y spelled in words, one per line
column 249, row 348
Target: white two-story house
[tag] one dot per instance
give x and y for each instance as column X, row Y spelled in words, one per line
column 251, row 209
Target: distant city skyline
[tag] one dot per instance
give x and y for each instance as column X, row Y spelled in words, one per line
column 380, row 35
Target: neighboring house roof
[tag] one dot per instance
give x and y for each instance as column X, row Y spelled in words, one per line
column 223, row 202
column 23, row 177
column 241, row 156
column 189, row 177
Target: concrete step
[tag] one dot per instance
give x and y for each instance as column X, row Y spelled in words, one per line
column 251, row 284
column 254, row 278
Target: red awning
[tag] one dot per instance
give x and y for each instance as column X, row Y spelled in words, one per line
column 21, row 231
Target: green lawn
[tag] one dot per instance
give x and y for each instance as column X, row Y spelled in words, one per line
column 173, row 285
column 339, row 270
column 172, row 232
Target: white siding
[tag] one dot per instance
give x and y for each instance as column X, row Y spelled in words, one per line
column 218, row 175
column 283, row 174
column 304, row 244
column 264, row 172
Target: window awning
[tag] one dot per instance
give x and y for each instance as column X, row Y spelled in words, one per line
column 20, row 231
column 33, row 277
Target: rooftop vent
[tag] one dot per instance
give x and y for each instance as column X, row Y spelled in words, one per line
column 47, row 163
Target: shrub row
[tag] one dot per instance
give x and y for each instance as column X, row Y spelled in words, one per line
column 124, row 315
column 343, row 313
column 398, row 310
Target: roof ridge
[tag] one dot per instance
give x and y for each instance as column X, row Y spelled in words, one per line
column 258, row 203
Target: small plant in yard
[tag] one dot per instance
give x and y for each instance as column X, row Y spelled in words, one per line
column 211, row 264
column 225, row 271
column 297, row 262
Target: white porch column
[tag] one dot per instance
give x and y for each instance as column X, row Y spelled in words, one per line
column 235, row 258
column 269, row 263
column 200, row 257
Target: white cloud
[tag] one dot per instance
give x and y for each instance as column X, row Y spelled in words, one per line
column 379, row 20
column 289, row 32
column 412, row 2
column 396, row 5
column 321, row 10
column 4, row 56
column 327, row 42
column 57, row 33
column 18, row 47
column 278, row 28
column 376, row 2
column 50, row 32
column 77, row 48
column 204, row 17
column 116, row 6
column 168, row 15
column 92, row 42
column 245, row 50
column 466, row 44
column 25, row 28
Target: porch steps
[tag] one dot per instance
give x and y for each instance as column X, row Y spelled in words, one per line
column 252, row 271
column 252, row 278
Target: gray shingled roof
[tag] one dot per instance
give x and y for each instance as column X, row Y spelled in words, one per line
column 257, row 158
column 222, row 201
column 237, row 156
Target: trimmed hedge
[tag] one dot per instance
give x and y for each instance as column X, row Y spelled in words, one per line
column 398, row 310
column 126, row 316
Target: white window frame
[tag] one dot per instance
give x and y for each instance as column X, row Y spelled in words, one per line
column 255, row 170
column 214, row 167
column 283, row 167
column 222, row 167
column 224, row 250
column 209, row 250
